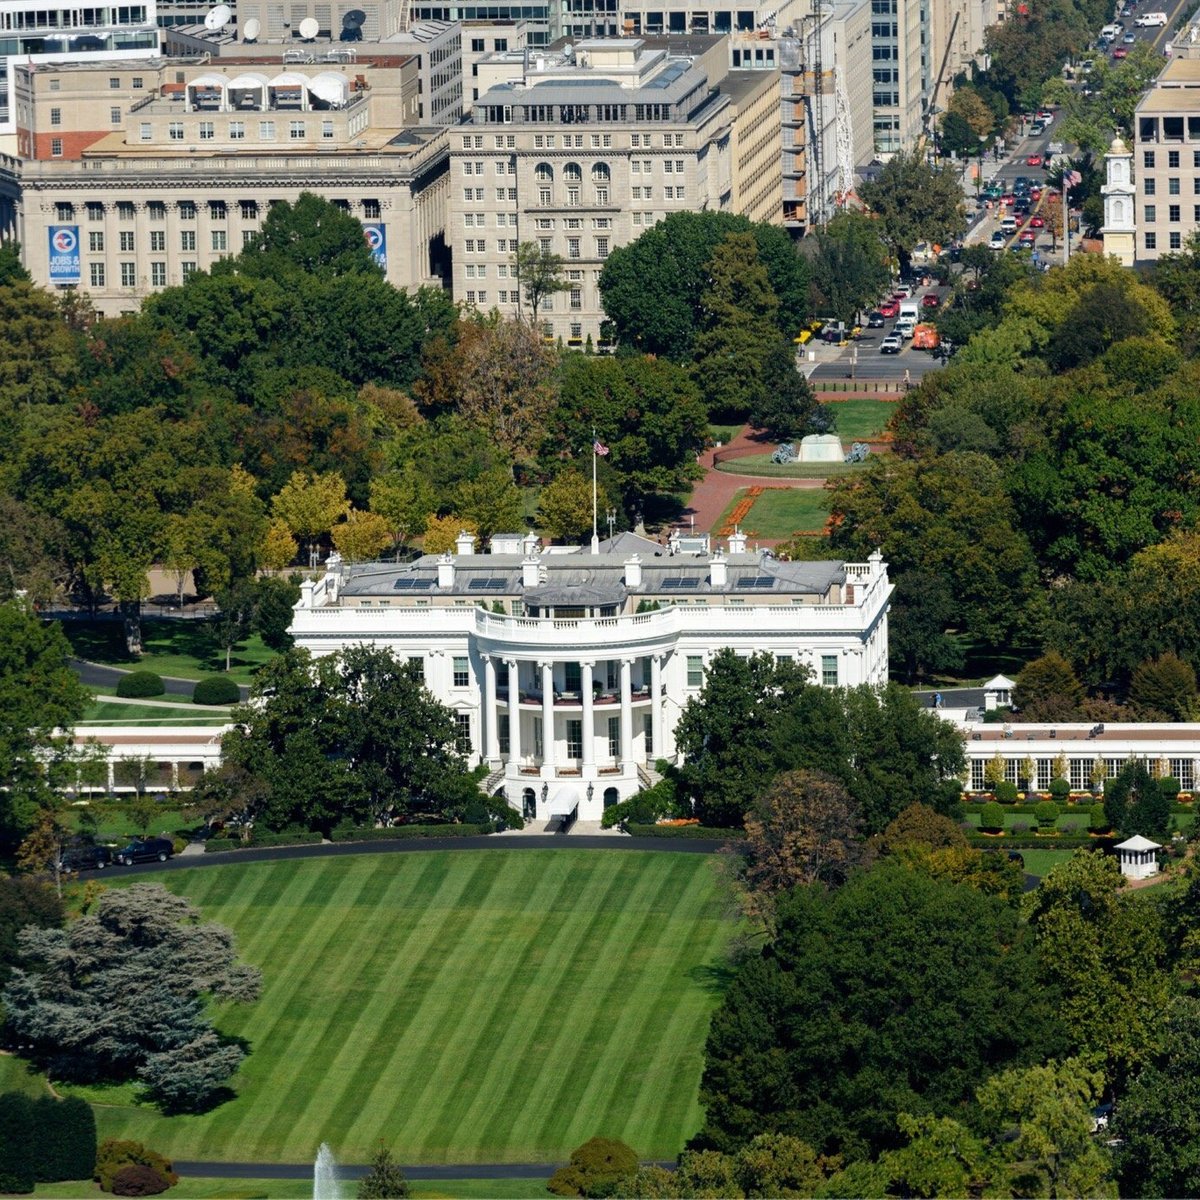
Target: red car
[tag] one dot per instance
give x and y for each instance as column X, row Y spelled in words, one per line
column 930, row 300
column 1035, row 194
column 1028, row 237
column 1008, row 198
column 1034, row 160
column 889, row 308
column 1036, row 222
column 1120, row 52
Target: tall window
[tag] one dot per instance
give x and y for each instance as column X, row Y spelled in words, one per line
column 97, row 274
column 158, row 274
column 572, row 677
column 614, row 737
column 695, row 670
column 128, row 274
column 829, row 670
column 462, row 738
column 575, row 739
column 462, row 673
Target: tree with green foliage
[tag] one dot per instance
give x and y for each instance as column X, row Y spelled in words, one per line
column 348, row 736
column 923, row 609
column 275, row 599
column 565, row 510
column 64, row 1147
column 385, row 1180
column 647, row 411
column 786, row 407
column 234, row 619
column 361, row 537
column 838, row 1025
column 404, row 499
column 1105, row 953
column 597, row 1168
column 653, row 288
column 25, row 902
column 1136, row 803
column 1047, row 689
column 17, row 1137
column 914, row 202
column 311, row 236
column 311, row 505
column 40, row 699
column 1163, row 689
column 82, row 1011
column 491, row 502
column 541, row 274
column 849, row 267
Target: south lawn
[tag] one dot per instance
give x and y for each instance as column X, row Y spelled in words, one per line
column 460, row 1006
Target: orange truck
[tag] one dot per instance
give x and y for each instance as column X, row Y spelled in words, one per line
column 925, row 337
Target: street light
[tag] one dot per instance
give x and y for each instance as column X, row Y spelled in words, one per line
column 979, row 172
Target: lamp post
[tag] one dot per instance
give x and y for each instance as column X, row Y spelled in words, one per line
column 979, row 172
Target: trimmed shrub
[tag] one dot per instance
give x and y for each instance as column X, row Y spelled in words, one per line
column 1006, row 792
column 709, row 832
column 347, row 833
column 140, row 684
column 65, row 1147
column 1060, row 789
column 991, row 818
column 1046, row 814
column 1013, row 842
column 1169, row 787
column 115, row 1154
column 216, row 689
column 17, row 1133
column 137, row 1180
column 597, row 1168
column 216, row 845
column 1097, row 819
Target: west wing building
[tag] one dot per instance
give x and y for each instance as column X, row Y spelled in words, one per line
column 206, row 148
column 567, row 670
column 581, row 150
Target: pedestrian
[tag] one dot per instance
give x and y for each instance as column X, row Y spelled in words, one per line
column 907, row 379
column 933, row 700
column 937, row 699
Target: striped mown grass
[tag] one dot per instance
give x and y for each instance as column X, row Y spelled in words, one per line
column 462, row 1006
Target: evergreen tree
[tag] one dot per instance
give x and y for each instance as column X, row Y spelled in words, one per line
column 384, row 1181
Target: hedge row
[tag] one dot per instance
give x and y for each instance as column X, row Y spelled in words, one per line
column 1065, row 810
column 392, row 833
column 44, row 1140
column 684, row 831
column 262, row 840
column 1032, row 842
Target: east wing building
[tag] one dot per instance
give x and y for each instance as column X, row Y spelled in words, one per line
column 567, row 670
column 204, row 150
column 582, row 149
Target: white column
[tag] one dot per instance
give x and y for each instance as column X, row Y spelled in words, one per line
column 589, row 716
column 514, row 713
column 547, row 718
column 490, row 723
column 655, row 748
column 626, row 712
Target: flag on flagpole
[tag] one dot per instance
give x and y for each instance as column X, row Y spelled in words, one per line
column 599, row 448
column 1071, row 178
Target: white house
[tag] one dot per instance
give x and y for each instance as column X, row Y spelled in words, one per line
column 567, row 669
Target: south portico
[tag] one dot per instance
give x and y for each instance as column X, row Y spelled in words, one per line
column 590, row 726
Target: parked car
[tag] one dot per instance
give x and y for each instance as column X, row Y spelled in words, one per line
column 1045, row 114
column 930, row 300
column 997, row 242
column 1028, row 238
column 1120, row 52
column 1036, row 222
column 892, row 344
column 1034, row 160
column 890, row 308
column 1035, row 194
column 1037, row 129
column 85, row 858
column 146, row 850
column 875, row 320
column 1129, row 39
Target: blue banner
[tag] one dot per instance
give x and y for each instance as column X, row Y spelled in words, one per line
column 376, row 236
column 64, row 253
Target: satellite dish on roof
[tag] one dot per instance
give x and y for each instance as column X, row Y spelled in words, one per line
column 218, row 18
column 251, row 30
column 309, row 28
column 354, row 19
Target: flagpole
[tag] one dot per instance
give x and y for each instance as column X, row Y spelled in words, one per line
column 595, row 530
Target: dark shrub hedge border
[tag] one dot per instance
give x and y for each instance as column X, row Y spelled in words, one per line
column 392, row 833
column 707, row 832
column 140, row 684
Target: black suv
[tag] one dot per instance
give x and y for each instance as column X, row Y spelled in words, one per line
column 146, row 850
column 85, row 858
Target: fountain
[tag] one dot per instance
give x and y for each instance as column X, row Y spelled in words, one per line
column 326, row 1185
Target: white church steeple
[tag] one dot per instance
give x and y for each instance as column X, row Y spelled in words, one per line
column 1119, row 227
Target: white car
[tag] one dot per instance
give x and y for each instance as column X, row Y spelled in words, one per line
column 892, row 344
column 998, row 240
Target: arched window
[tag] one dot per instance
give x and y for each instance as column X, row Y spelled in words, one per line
column 611, row 797
column 572, row 173
column 600, row 180
column 544, row 173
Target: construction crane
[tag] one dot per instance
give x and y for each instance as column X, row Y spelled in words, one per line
column 931, row 106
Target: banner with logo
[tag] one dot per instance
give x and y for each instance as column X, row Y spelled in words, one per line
column 376, row 236
column 64, row 253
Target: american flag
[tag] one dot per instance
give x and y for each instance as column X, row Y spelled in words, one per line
column 599, row 448
column 1071, row 178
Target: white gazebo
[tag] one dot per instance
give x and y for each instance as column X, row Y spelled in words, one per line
column 1139, row 857
column 997, row 692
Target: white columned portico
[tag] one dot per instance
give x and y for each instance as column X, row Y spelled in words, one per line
column 514, row 713
column 626, row 712
column 547, row 719
column 589, row 716
column 491, row 727
column 656, row 750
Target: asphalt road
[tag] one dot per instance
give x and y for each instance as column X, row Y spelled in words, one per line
column 230, row 1170
column 96, row 675
column 525, row 841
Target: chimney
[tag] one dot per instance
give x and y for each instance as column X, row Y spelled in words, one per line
column 531, row 543
column 464, row 543
column 633, row 571
column 531, row 570
column 718, row 570
column 306, row 593
column 737, row 541
column 445, row 566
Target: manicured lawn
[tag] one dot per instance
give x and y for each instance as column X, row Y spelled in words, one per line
column 301, row 1189
column 114, row 826
column 861, row 420
column 724, row 433
column 761, row 464
column 780, row 512
column 15, row 1076
column 169, row 647
column 466, row 1006
column 1042, row 862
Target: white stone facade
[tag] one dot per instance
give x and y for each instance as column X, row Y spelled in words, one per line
column 576, row 686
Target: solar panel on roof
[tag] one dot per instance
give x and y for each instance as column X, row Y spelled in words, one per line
column 676, row 584
column 486, row 585
column 412, row 585
column 758, row 581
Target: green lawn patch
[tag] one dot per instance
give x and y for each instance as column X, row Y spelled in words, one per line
column 1042, row 862
column 861, row 420
column 195, row 1188
column 114, row 826
column 467, row 1006
column 170, row 646
column 17, row 1076
column 724, row 433
column 761, row 464
column 780, row 512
